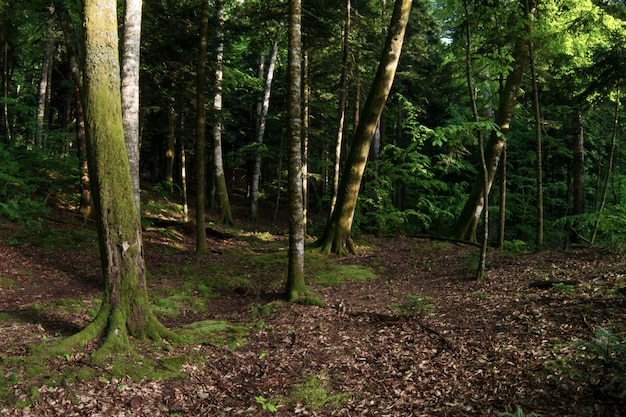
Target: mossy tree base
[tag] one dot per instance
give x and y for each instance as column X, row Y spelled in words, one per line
column 336, row 241
column 111, row 327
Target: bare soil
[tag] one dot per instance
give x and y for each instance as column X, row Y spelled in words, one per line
column 465, row 348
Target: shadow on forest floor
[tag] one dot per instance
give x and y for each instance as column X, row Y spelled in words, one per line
column 405, row 329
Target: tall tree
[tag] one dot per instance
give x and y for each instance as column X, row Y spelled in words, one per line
column 261, row 122
column 75, row 53
column 343, row 100
column 468, row 220
column 336, row 236
column 200, row 160
column 130, row 90
column 295, row 286
column 480, row 272
column 44, row 83
column 226, row 215
column 125, row 310
column 609, row 168
column 531, row 10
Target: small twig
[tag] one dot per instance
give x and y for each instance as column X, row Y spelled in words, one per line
column 591, row 329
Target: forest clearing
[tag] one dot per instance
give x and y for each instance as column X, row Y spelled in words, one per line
column 405, row 329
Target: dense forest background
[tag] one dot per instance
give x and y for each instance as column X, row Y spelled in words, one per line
column 561, row 179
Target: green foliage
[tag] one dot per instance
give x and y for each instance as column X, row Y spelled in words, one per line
column 327, row 274
column 313, row 392
column 69, row 239
column 519, row 413
column 415, row 304
column 265, row 403
column 22, row 185
column 606, row 352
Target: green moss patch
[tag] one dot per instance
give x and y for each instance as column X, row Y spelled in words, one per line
column 314, row 392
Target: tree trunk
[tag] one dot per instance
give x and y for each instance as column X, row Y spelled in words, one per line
column 200, row 160
column 502, row 200
column 5, row 91
column 295, row 286
column 44, row 86
column 465, row 228
column 125, row 309
column 170, row 147
column 75, row 54
column 609, row 169
column 226, row 215
column 578, row 166
column 305, row 140
column 260, row 131
column 480, row 271
column 530, row 10
column 85, row 207
column 336, row 236
column 343, row 99
column 130, row 91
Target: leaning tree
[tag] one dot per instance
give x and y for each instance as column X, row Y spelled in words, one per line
column 336, row 236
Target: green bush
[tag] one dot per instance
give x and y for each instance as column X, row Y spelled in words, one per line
column 606, row 353
column 19, row 185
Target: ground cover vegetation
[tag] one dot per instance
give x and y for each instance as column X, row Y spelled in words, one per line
column 450, row 170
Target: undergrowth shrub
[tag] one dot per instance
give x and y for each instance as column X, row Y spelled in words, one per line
column 31, row 181
column 605, row 355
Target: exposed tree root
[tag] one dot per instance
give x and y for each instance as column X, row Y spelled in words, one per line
column 112, row 328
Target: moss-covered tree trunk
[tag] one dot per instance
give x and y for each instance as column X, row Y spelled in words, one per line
column 336, row 236
column 200, row 162
column 226, row 215
column 295, row 287
column 125, row 310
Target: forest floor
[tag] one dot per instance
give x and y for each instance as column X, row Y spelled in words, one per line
column 405, row 330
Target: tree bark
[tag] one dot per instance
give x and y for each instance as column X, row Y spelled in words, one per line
column 305, row 140
column 260, row 131
column 130, row 91
column 75, row 55
column 295, row 286
column 170, row 148
column 85, row 208
column 343, row 99
column 226, row 215
column 336, row 237
column 5, row 91
column 125, row 309
column 578, row 166
column 44, row 85
column 530, row 10
column 200, row 160
column 467, row 223
column 609, row 169
column 480, row 271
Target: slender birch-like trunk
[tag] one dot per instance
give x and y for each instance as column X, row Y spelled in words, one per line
column 260, row 131
column 130, row 91
column 343, row 99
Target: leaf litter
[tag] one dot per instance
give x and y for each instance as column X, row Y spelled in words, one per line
column 479, row 349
